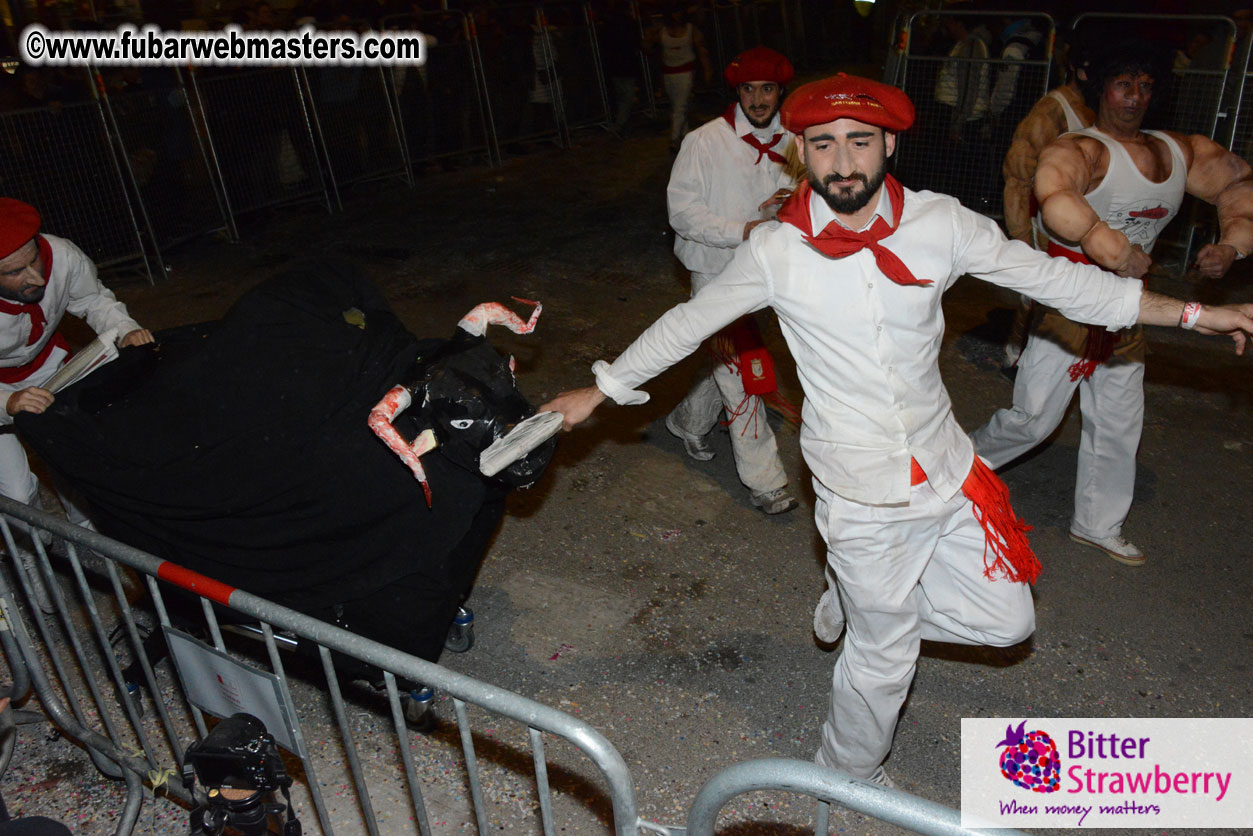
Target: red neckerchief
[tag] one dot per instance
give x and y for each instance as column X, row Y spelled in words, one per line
column 38, row 322
column 838, row 241
column 762, row 148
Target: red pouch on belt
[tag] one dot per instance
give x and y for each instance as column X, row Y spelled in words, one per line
column 756, row 364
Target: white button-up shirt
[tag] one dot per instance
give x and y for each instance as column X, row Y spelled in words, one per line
column 716, row 186
column 73, row 287
column 867, row 349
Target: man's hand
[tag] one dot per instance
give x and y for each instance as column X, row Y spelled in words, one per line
column 575, row 406
column 1234, row 320
column 32, row 399
column 1137, row 264
column 750, row 226
column 140, row 336
column 775, row 199
column 1214, row 260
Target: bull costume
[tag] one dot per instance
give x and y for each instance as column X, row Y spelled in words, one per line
column 242, row 450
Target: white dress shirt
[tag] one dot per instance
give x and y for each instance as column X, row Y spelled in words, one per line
column 73, row 287
column 716, row 185
column 867, row 349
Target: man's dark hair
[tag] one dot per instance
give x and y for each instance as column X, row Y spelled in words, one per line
column 1129, row 57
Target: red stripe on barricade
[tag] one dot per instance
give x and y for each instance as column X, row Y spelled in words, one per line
column 215, row 591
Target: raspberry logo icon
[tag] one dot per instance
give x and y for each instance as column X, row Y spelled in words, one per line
column 1030, row 759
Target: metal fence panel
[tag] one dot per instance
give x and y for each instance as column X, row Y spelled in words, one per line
column 62, row 162
column 520, row 74
column 888, row 805
column 92, row 700
column 946, row 152
column 572, row 35
column 352, row 108
column 440, row 103
column 260, row 137
column 167, row 158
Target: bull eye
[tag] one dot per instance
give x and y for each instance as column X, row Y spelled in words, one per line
column 462, row 423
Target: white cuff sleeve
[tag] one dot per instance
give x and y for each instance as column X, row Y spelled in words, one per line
column 614, row 390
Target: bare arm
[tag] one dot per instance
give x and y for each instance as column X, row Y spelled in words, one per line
column 1220, row 177
column 1236, row 321
column 1067, row 169
column 575, row 406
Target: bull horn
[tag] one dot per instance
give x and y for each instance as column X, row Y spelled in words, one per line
column 396, row 401
column 494, row 313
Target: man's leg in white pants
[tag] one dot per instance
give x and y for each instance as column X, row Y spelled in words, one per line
column 18, row 483
column 752, row 440
column 1042, row 391
column 1112, row 406
column 878, row 555
column 957, row 602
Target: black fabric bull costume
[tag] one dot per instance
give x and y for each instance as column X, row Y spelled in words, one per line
column 241, row 449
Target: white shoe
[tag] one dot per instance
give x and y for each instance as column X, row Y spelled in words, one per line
column 880, row 777
column 697, row 446
column 1116, row 547
column 828, row 617
column 777, row 501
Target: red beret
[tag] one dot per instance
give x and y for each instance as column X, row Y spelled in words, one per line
column 847, row 96
column 19, row 222
column 759, row 64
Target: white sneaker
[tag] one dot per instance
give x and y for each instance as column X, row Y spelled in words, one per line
column 880, row 777
column 777, row 501
column 1116, row 547
column 697, row 446
column 828, row 617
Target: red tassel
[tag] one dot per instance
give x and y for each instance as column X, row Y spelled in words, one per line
column 1005, row 534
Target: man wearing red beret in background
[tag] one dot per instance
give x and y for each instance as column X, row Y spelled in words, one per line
column 921, row 540
column 728, row 178
column 41, row 278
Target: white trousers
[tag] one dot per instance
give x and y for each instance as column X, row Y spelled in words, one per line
column 678, row 88
column 753, row 443
column 1111, row 404
column 17, row 482
column 904, row 573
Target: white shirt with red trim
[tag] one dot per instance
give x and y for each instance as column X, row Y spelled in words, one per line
column 716, row 185
column 867, row 349
column 73, row 287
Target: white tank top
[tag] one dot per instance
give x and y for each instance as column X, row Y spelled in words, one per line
column 676, row 52
column 1073, row 122
column 1131, row 203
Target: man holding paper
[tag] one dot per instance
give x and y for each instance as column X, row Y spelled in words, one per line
column 41, row 278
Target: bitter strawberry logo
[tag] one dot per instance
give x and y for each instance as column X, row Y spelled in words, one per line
column 1030, row 759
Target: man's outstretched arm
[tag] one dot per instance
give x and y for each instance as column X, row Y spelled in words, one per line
column 575, row 406
column 1236, row 321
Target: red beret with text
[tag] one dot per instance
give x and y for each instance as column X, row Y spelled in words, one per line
column 19, row 222
column 759, row 64
column 847, row 96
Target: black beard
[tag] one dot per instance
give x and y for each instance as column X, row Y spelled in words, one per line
column 849, row 201
column 32, row 295
column 754, row 122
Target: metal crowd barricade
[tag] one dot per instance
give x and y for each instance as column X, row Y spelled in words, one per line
column 1197, row 96
column 520, row 77
column 260, row 138
column 88, row 698
column 739, row 26
column 948, row 153
column 826, row 785
column 355, row 118
column 166, row 157
column 440, row 104
column 63, row 162
column 572, row 37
